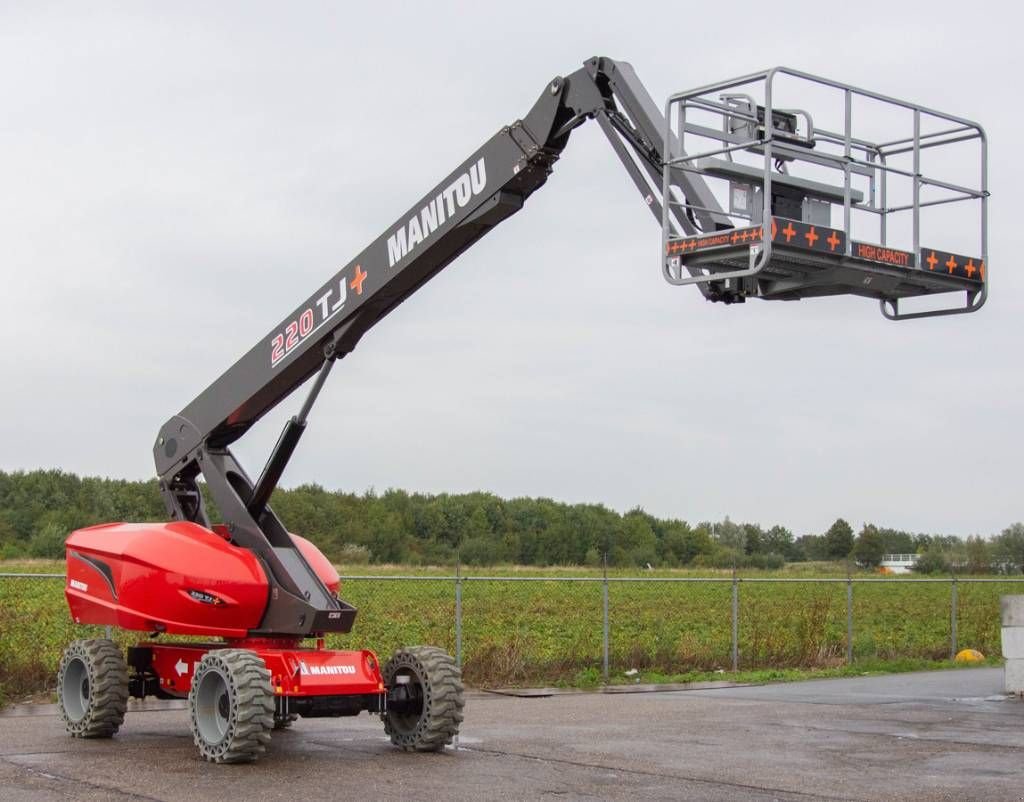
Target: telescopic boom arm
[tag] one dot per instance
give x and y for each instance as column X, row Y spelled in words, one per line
column 769, row 258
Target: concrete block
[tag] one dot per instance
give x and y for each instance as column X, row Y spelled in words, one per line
column 1012, row 610
column 1013, row 643
column 1014, row 676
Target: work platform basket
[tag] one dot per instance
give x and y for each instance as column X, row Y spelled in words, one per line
column 866, row 195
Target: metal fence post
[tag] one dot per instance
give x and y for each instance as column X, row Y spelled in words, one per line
column 849, row 620
column 458, row 615
column 605, row 627
column 735, row 622
column 952, row 620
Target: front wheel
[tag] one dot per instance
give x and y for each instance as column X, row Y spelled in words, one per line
column 425, row 699
column 92, row 688
column 232, row 706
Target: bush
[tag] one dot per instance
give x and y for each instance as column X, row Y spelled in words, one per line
column 869, row 548
column 13, row 551
column 731, row 558
column 931, row 562
column 354, row 554
column 839, row 540
column 721, row 557
column 437, row 554
column 481, row 550
column 48, row 541
column 769, row 562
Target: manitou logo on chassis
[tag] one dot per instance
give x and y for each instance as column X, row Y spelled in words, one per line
column 324, row 671
column 441, row 208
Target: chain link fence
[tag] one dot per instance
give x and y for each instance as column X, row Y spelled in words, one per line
column 539, row 630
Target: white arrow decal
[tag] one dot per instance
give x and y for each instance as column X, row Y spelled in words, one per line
column 181, row 667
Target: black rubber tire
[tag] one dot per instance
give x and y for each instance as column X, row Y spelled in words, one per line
column 92, row 688
column 231, row 706
column 284, row 722
column 439, row 683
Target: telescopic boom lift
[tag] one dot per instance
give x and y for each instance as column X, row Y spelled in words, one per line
column 754, row 200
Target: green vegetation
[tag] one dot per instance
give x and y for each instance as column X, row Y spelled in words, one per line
column 869, row 547
column 839, row 540
column 548, row 631
column 39, row 508
column 544, row 632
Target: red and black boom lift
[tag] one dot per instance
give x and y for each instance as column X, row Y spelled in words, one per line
column 749, row 213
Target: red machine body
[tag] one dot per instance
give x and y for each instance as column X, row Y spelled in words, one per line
column 182, row 578
column 179, row 578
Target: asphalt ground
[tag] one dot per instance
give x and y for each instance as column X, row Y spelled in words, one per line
column 935, row 735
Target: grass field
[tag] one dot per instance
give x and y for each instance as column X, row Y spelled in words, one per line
column 550, row 631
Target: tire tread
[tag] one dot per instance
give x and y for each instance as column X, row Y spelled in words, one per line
column 444, row 699
column 108, row 687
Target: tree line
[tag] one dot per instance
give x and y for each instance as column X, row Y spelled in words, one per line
column 39, row 508
column 1002, row 553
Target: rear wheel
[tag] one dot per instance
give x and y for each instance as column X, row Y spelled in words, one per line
column 425, row 699
column 92, row 688
column 232, row 706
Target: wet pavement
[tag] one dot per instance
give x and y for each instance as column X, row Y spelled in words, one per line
column 936, row 735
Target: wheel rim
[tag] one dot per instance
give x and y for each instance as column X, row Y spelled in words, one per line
column 213, row 707
column 74, row 690
column 406, row 722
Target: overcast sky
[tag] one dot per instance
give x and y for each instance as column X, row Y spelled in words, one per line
column 177, row 177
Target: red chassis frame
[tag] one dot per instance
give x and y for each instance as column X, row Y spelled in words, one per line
column 294, row 671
